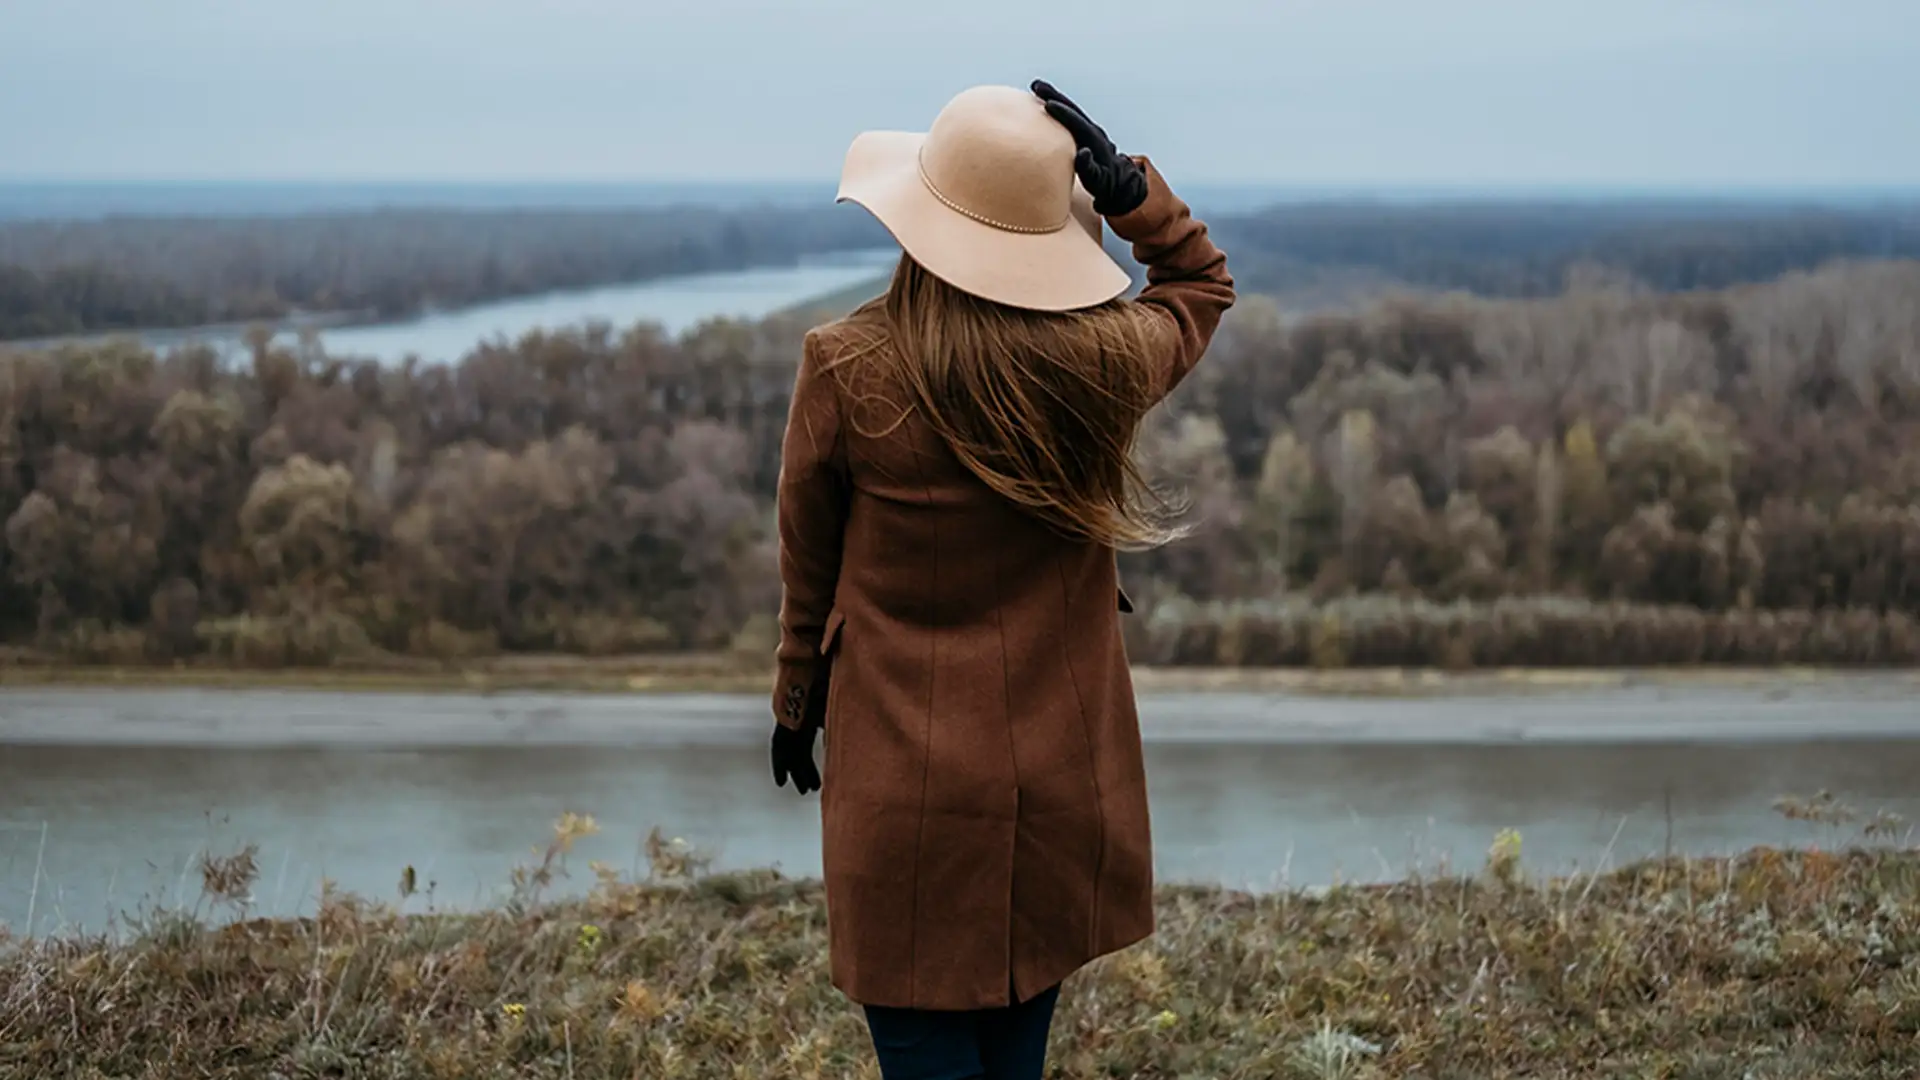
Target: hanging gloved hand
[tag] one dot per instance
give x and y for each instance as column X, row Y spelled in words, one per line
column 1117, row 182
column 793, row 756
column 793, row 747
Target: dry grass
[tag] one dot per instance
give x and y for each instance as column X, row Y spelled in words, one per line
column 1384, row 631
column 729, row 673
column 670, row 673
column 1769, row 966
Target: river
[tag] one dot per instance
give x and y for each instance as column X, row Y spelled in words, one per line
column 674, row 303
column 107, row 798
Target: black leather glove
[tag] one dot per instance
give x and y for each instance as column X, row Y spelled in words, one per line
column 793, row 756
column 1117, row 182
column 793, row 747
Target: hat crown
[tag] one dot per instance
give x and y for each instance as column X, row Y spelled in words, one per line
column 995, row 155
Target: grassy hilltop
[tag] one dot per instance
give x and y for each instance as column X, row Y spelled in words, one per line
column 1766, row 966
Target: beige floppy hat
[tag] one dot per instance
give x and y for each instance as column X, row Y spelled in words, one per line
column 988, row 202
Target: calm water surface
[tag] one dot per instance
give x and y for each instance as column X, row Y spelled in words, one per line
column 89, row 831
column 675, row 303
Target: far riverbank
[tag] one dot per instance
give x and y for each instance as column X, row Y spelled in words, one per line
column 720, row 673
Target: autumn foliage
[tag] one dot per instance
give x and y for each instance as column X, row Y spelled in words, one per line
column 1739, row 465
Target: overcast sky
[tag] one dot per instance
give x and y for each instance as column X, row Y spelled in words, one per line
column 1369, row 92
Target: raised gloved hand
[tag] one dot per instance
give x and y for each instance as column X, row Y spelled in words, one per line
column 1117, row 182
column 793, row 756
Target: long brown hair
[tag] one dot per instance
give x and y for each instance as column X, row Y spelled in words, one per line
column 1043, row 407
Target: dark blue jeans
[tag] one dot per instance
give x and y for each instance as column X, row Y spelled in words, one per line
column 985, row 1044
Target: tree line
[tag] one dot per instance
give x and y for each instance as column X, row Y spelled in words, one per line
column 1521, row 248
column 1613, row 474
column 126, row 272
column 118, row 273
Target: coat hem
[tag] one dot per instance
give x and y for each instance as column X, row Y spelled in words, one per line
column 849, row 988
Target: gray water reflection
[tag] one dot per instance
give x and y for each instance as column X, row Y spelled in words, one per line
column 124, row 826
column 676, row 304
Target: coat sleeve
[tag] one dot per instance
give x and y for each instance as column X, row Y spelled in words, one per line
column 811, row 506
column 1188, row 286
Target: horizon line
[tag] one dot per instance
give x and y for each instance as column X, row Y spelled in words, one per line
column 1457, row 184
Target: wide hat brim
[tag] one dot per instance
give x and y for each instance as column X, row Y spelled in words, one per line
column 1060, row 270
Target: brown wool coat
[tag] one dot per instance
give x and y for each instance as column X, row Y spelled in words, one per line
column 985, row 805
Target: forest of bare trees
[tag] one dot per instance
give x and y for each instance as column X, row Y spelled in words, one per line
column 1611, row 475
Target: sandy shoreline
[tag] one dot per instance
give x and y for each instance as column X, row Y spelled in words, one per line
column 1624, row 709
